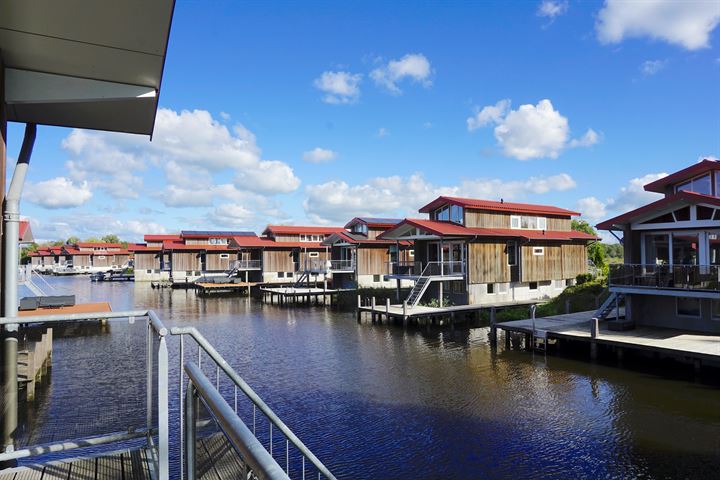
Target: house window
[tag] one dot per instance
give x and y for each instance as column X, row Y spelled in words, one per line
column 514, row 221
column 360, row 228
column 281, row 274
column 538, row 251
column 705, row 213
column 313, row 254
column 289, row 274
column 442, row 214
column 224, row 255
column 490, row 288
column 533, row 285
column 148, row 271
column 687, row 307
column 376, row 278
column 542, row 223
column 702, row 184
column 525, row 222
column 569, row 282
column 511, row 250
column 456, row 214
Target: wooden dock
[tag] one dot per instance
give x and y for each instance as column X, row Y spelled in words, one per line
column 678, row 344
column 299, row 295
column 204, row 288
column 424, row 315
column 128, row 464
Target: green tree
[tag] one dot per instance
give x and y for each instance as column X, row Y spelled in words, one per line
column 27, row 250
column 614, row 251
column 93, row 240
column 111, row 238
column 72, row 240
column 596, row 250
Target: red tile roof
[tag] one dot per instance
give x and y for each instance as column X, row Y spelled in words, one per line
column 144, row 248
column 24, row 229
column 682, row 175
column 374, row 222
column 679, row 197
column 452, row 229
column 362, row 241
column 264, row 242
column 97, row 245
column 171, row 245
column 509, row 207
column 298, row 229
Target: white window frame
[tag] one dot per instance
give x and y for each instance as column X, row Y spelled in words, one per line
column 515, row 222
column 538, row 251
column 313, row 254
column 224, row 255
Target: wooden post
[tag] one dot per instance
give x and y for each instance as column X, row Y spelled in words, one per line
column 507, row 340
column 493, row 328
column 387, row 309
column 405, row 315
column 594, row 330
column 567, row 306
column 397, row 289
column 372, row 307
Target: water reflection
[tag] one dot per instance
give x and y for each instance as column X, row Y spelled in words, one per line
column 380, row 401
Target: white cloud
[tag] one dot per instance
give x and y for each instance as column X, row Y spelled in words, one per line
column 413, row 66
column 225, row 116
column 552, row 8
column 58, row 192
column 489, row 115
column 91, row 225
column 339, row 87
column 629, row 197
column 383, row 132
column 190, row 147
column 651, row 67
column 319, row 155
column 687, row 23
column 337, row 201
column 531, row 131
column 232, row 215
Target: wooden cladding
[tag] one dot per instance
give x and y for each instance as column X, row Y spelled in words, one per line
column 372, row 261
column 147, row 261
column 488, row 263
column 278, row 261
column 218, row 261
column 556, row 261
column 484, row 219
column 187, row 261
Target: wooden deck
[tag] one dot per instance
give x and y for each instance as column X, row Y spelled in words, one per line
column 129, row 464
column 216, row 459
column 576, row 326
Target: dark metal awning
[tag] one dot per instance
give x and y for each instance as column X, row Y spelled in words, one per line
column 95, row 64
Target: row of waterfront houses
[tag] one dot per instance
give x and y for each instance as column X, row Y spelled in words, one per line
column 81, row 257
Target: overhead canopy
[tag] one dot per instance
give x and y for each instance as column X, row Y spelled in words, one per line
column 86, row 64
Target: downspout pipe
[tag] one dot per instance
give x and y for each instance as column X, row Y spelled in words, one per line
column 10, row 287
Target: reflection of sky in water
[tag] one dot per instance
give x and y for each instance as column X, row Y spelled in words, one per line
column 392, row 403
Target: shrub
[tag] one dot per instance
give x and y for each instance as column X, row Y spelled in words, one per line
column 583, row 278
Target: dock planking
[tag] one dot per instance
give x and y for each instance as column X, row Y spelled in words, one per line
column 125, row 465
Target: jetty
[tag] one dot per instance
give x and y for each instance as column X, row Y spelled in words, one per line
column 584, row 327
column 300, row 295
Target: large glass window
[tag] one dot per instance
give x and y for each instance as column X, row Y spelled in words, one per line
column 714, row 248
column 442, row 214
column 698, row 185
column 456, row 214
column 657, row 249
column 511, row 253
column 685, row 249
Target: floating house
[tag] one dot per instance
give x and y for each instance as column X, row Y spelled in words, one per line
column 358, row 258
column 670, row 276
column 186, row 256
column 473, row 251
column 82, row 257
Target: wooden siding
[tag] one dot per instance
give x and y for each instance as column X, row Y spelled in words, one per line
column 487, row 263
column 81, row 260
column 303, row 255
column 372, row 260
column 147, row 261
column 121, row 259
column 106, row 261
column 278, row 261
column 374, row 232
column 574, row 259
column 185, row 261
column 287, row 238
column 558, row 224
column 483, row 219
column 214, row 261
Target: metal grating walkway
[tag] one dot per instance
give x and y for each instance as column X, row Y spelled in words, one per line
column 129, row 464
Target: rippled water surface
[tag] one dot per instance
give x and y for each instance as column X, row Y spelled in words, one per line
column 382, row 402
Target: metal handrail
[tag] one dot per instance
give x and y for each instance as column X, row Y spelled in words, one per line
column 154, row 324
column 408, row 268
column 246, row 264
column 673, row 277
column 222, row 364
column 238, row 434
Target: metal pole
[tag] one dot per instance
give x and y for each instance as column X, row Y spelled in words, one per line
column 163, row 417
column 190, row 420
column 148, row 376
column 181, row 396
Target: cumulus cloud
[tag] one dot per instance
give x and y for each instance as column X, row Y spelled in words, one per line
column 90, row 225
column 629, row 197
column 651, row 67
column 413, row 66
column 319, row 155
column 552, row 8
column 383, row 132
column 687, row 23
column 336, row 201
column 190, row 147
column 531, row 131
column 58, row 192
column 339, row 87
column 232, row 215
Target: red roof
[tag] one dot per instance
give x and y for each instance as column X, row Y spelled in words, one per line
column 497, row 206
column 679, row 197
column 264, row 242
column 682, row 175
column 24, row 229
column 374, row 222
column 75, row 251
column 298, row 229
column 453, row 229
column 174, row 245
column 98, row 245
column 161, row 238
column 144, row 248
column 364, row 241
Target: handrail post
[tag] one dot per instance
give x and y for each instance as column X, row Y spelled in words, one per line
column 149, row 376
column 190, row 421
column 163, row 420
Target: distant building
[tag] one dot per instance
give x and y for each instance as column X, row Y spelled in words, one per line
column 83, row 257
column 671, row 272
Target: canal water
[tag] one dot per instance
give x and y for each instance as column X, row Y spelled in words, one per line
column 377, row 401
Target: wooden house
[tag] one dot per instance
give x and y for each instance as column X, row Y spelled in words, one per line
column 358, row 258
column 91, row 257
column 185, row 256
column 670, row 276
column 473, row 251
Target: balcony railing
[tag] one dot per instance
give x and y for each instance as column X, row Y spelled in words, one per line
column 408, row 269
column 678, row 277
column 319, row 265
column 247, row 265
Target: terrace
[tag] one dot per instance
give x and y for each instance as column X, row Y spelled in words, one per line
column 699, row 281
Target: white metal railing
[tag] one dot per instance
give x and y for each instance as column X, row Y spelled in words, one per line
column 324, row 266
column 246, row 265
column 239, row 385
column 443, row 269
column 156, row 333
column 678, row 277
column 405, row 268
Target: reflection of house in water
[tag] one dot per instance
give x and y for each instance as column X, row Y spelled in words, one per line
column 671, row 272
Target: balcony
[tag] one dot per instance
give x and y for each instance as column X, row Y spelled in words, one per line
column 415, row 270
column 316, row 265
column 244, row 265
column 674, row 280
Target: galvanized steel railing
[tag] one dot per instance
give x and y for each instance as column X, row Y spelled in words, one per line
column 405, row 268
column 238, row 383
column 679, row 277
column 156, row 333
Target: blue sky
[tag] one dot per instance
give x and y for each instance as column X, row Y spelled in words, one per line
column 315, row 113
